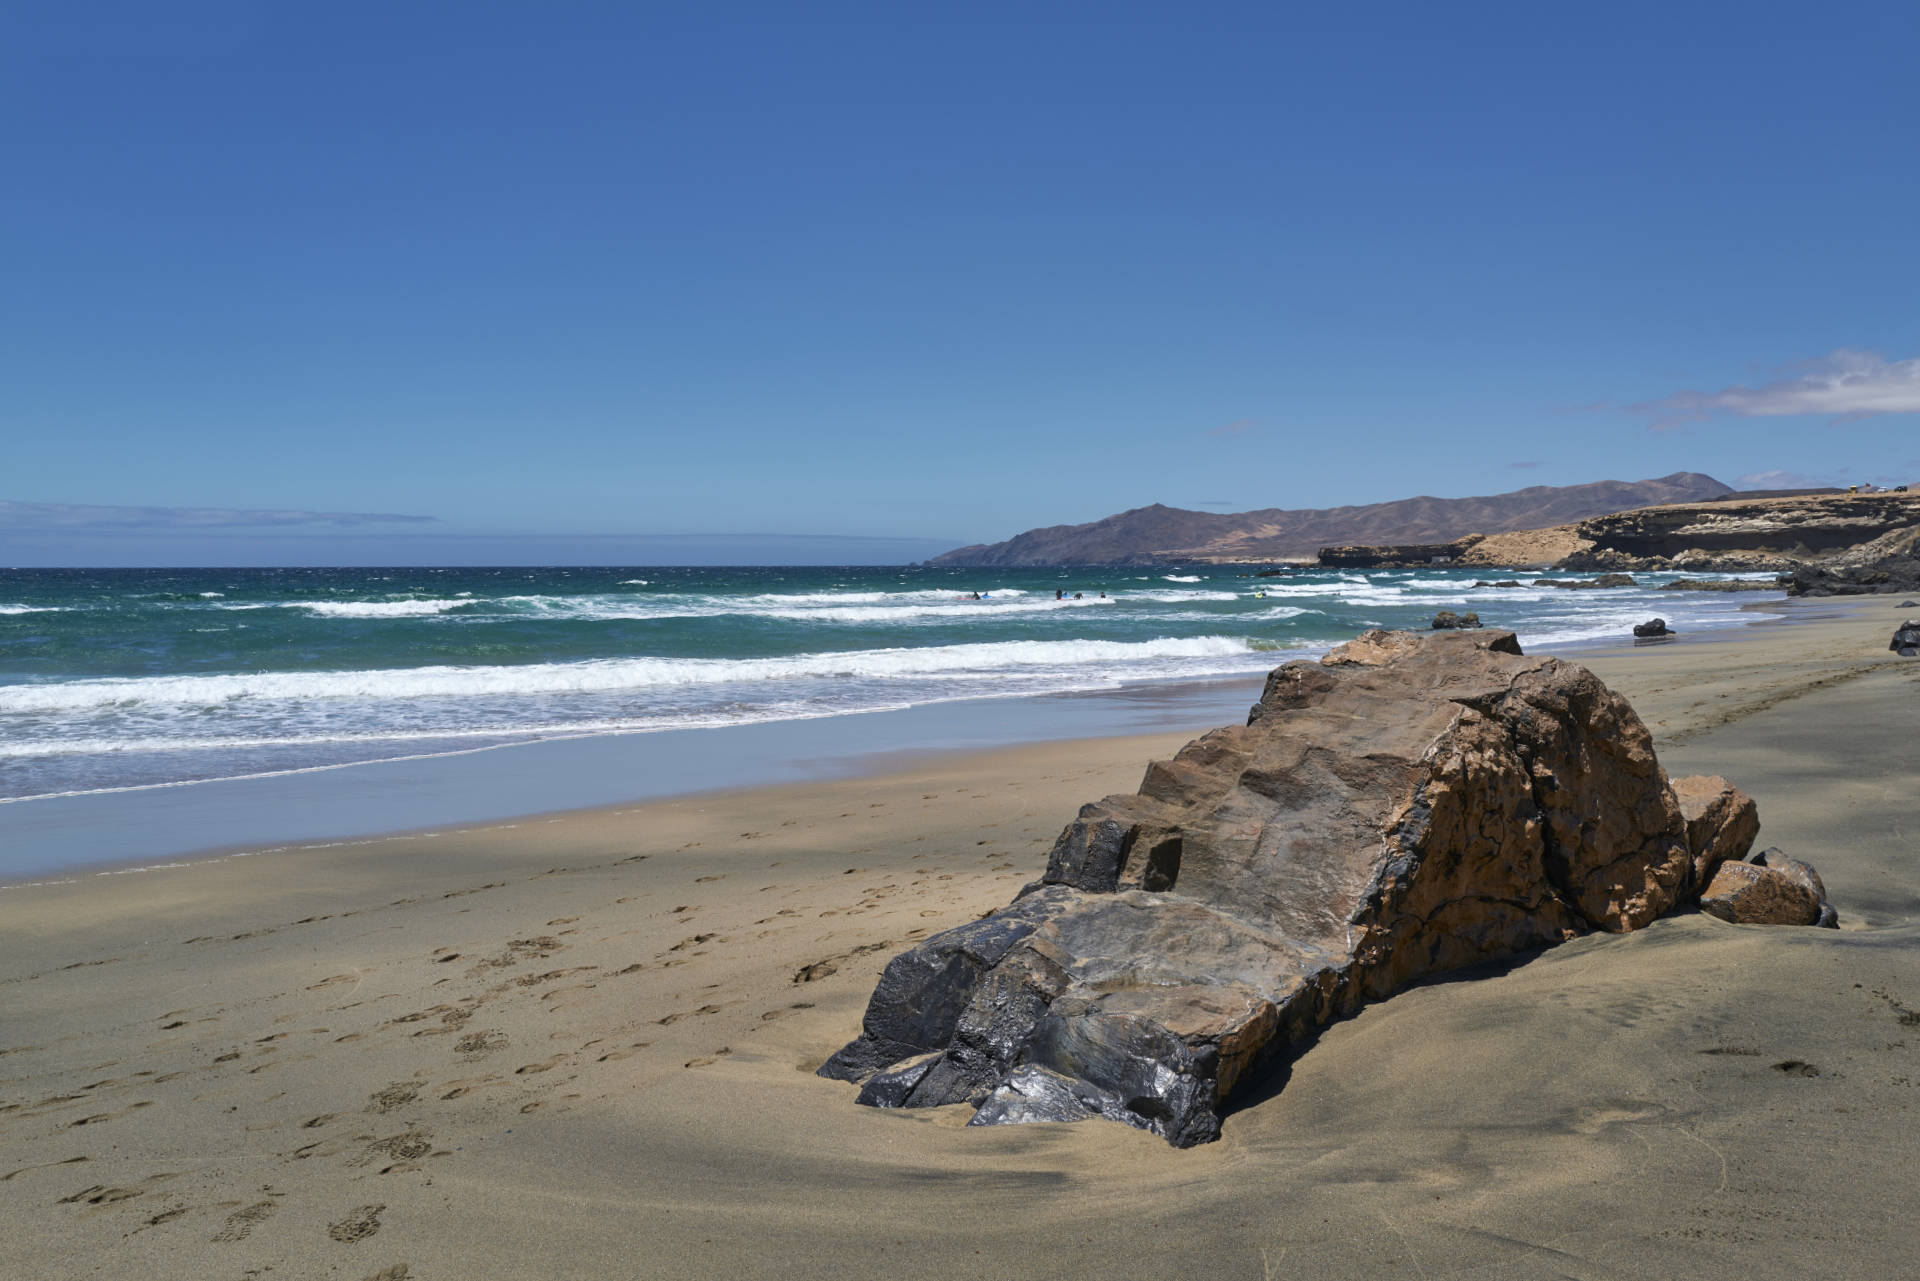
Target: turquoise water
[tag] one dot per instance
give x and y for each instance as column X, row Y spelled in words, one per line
column 113, row 679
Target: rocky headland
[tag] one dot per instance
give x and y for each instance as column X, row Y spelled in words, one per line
column 1406, row 806
column 1159, row 534
column 1821, row 544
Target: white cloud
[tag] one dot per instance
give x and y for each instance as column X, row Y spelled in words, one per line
column 15, row 515
column 1845, row 385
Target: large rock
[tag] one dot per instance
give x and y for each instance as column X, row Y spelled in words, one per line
column 1906, row 638
column 1407, row 805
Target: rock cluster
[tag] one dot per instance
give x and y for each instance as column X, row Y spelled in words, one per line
column 1719, row 585
column 1446, row 618
column 1408, row 805
column 1576, row 584
column 1769, row 889
column 1651, row 629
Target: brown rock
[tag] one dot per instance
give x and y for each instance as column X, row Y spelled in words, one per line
column 1748, row 894
column 1722, row 822
column 1791, row 868
column 1406, row 806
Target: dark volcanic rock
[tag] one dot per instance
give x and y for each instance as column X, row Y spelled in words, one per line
column 1718, row 585
column 1577, row 584
column 1446, row 618
column 1906, row 638
column 1406, row 806
column 1651, row 628
column 1893, row 574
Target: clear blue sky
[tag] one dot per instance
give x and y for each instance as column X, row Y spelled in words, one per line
column 558, row 274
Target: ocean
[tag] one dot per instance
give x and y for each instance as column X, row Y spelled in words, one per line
column 130, row 679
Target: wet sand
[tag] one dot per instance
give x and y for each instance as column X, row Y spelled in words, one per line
column 583, row 1046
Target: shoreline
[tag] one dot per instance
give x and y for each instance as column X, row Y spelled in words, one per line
column 584, row 1044
column 66, row 836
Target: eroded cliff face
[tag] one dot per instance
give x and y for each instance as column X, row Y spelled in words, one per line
column 1802, row 528
column 1406, row 806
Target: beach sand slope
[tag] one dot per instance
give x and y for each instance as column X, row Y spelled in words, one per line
column 584, row 1046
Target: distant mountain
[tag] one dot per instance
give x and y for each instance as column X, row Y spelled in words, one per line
column 1157, row 534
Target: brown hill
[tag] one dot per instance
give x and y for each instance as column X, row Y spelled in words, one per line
column 1158, row 534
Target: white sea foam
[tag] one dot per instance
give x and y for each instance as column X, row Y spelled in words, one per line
column 633, row 582
column 616, row 674
column 378, row 608
column 31, row 609
column 1181, row 578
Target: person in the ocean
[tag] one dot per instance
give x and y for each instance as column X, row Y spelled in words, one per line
column 1058, row 594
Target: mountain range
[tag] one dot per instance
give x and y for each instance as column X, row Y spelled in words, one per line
column 1159, row 534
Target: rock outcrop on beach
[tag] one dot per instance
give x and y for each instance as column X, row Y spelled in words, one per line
column 1160, row 534
column 1408, row 805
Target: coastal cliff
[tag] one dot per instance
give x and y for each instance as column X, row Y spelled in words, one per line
column 1159, row 534
column 1739, row 532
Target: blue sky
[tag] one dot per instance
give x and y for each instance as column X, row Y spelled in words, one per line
column 570, row 278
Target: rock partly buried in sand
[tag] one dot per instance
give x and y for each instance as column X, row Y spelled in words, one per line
column 1651, row 628
column 1770, row 889
column 1408, row 805
column 1446, row 619
column 1906, row 638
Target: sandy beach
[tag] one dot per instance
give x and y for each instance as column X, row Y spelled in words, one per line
column 584, row 1045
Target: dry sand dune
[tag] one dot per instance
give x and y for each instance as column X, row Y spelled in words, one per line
column 583, row 1047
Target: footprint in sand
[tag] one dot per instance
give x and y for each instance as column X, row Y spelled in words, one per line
column 478, row 1044
column 710, row 1059
column 545, row 1065
column 409, row 1145
column 398, row 1272
column 358, row 1226
column 397, row 1095
column 243, row 1221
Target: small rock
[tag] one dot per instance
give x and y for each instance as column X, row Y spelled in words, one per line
column 1651, row 628
column 1748, row 894
column 1906, row 640
column 1447, row 618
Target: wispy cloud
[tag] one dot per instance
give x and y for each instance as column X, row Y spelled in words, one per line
column 1238, row 427
column 1845, row 386
column 83, row 516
